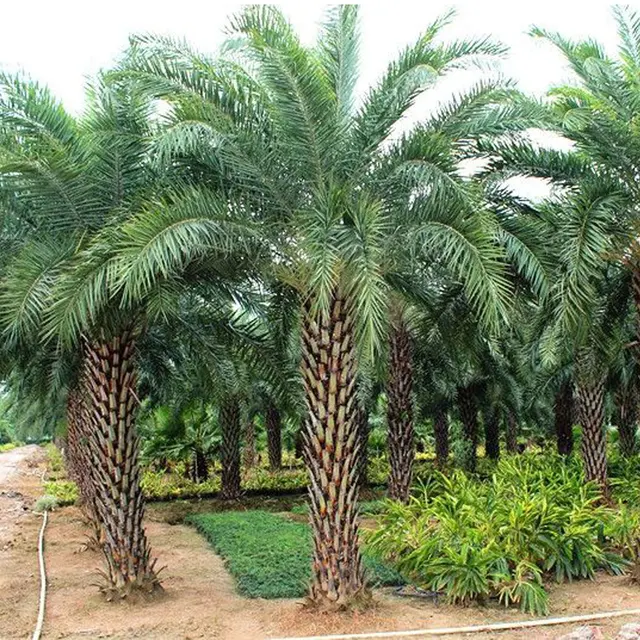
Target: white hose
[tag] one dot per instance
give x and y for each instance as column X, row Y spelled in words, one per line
column 498, row 626
column 43, row 579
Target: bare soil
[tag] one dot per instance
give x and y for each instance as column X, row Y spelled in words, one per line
column 199, row 600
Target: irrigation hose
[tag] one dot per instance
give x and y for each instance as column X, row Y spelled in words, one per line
column 499, row 626
column 43, row 579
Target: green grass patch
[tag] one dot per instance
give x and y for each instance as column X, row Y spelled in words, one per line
column 8, row 446
column 368, row 508
column 269, row 556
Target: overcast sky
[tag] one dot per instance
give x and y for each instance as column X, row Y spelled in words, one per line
column 62, row 42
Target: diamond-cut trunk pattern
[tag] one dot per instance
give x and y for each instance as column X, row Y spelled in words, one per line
column 274, row 436
column 362, row 421
column 441, row 436
column 331, row 451
column 590, row 396
column 230, row 448
column 400, row 426
column 79, row 457
column 113, row 442
column 627, row 420
column 250, row 451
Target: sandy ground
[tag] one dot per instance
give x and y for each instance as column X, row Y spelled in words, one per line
column 199, row 600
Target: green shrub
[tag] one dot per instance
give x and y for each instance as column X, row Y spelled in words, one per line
column 261, row 479
column 377, row 471
column 158, row 485
column 8, row 446
column 46, row 503
column 269, row 556
column 55, row 461
column 535, row 518
column 64, row 491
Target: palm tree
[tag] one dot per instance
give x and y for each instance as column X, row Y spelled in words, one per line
column 598, row 114
column 400, row 409
column 564, row 417
column 79, row 177
column 278, row 122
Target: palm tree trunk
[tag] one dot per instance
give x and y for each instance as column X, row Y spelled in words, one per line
column 113, row 442
column 492, row 435
column 331, row 453
column 274, row 436
column 469, row 417
column 200, row 467
column 564, row 410
column 230, row 448
column 512, row 433
column 627, row 419
column 299, row 443
column 441, row 437
column 250, row 452
column 594, row 447
column 400, row 412
column 362, row 419
column 80, row 459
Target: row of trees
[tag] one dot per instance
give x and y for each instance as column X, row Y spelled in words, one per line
column 245, row 227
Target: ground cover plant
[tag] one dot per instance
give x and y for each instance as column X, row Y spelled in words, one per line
column 535, row 519
column 270, row 556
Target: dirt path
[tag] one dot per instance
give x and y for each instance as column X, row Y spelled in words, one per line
column 19, row 486
column 200, row 600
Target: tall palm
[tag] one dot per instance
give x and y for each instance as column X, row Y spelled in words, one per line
column 598, row 113
column 279, row 122
column 79, row 177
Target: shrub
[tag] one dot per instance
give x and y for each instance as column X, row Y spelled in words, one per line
column 8, row 446
column 269, row 556
column 535, row 518
column 55, row 461
column 261, row 479
column 46, row 503
column 158, row 485
column 64, row 491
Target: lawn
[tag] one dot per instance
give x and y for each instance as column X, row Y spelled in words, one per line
column 270, row 556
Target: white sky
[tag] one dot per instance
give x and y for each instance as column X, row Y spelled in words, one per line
column 61, row 42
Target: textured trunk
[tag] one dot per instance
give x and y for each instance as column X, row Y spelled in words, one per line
column 230, row 448
column 362, row 420
column 113, row 443
column 492, row 435
column 441, row 437
column 250, row 452
column 635, row 286
column 512, row 433
column 469, row 417
column 627, row 419
column 563, row 418
column 299, row 443
column 274, row 436
column 590, row 397
column 331, row 451
column 400, row 412
column 200, row 467
column 79, row 457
